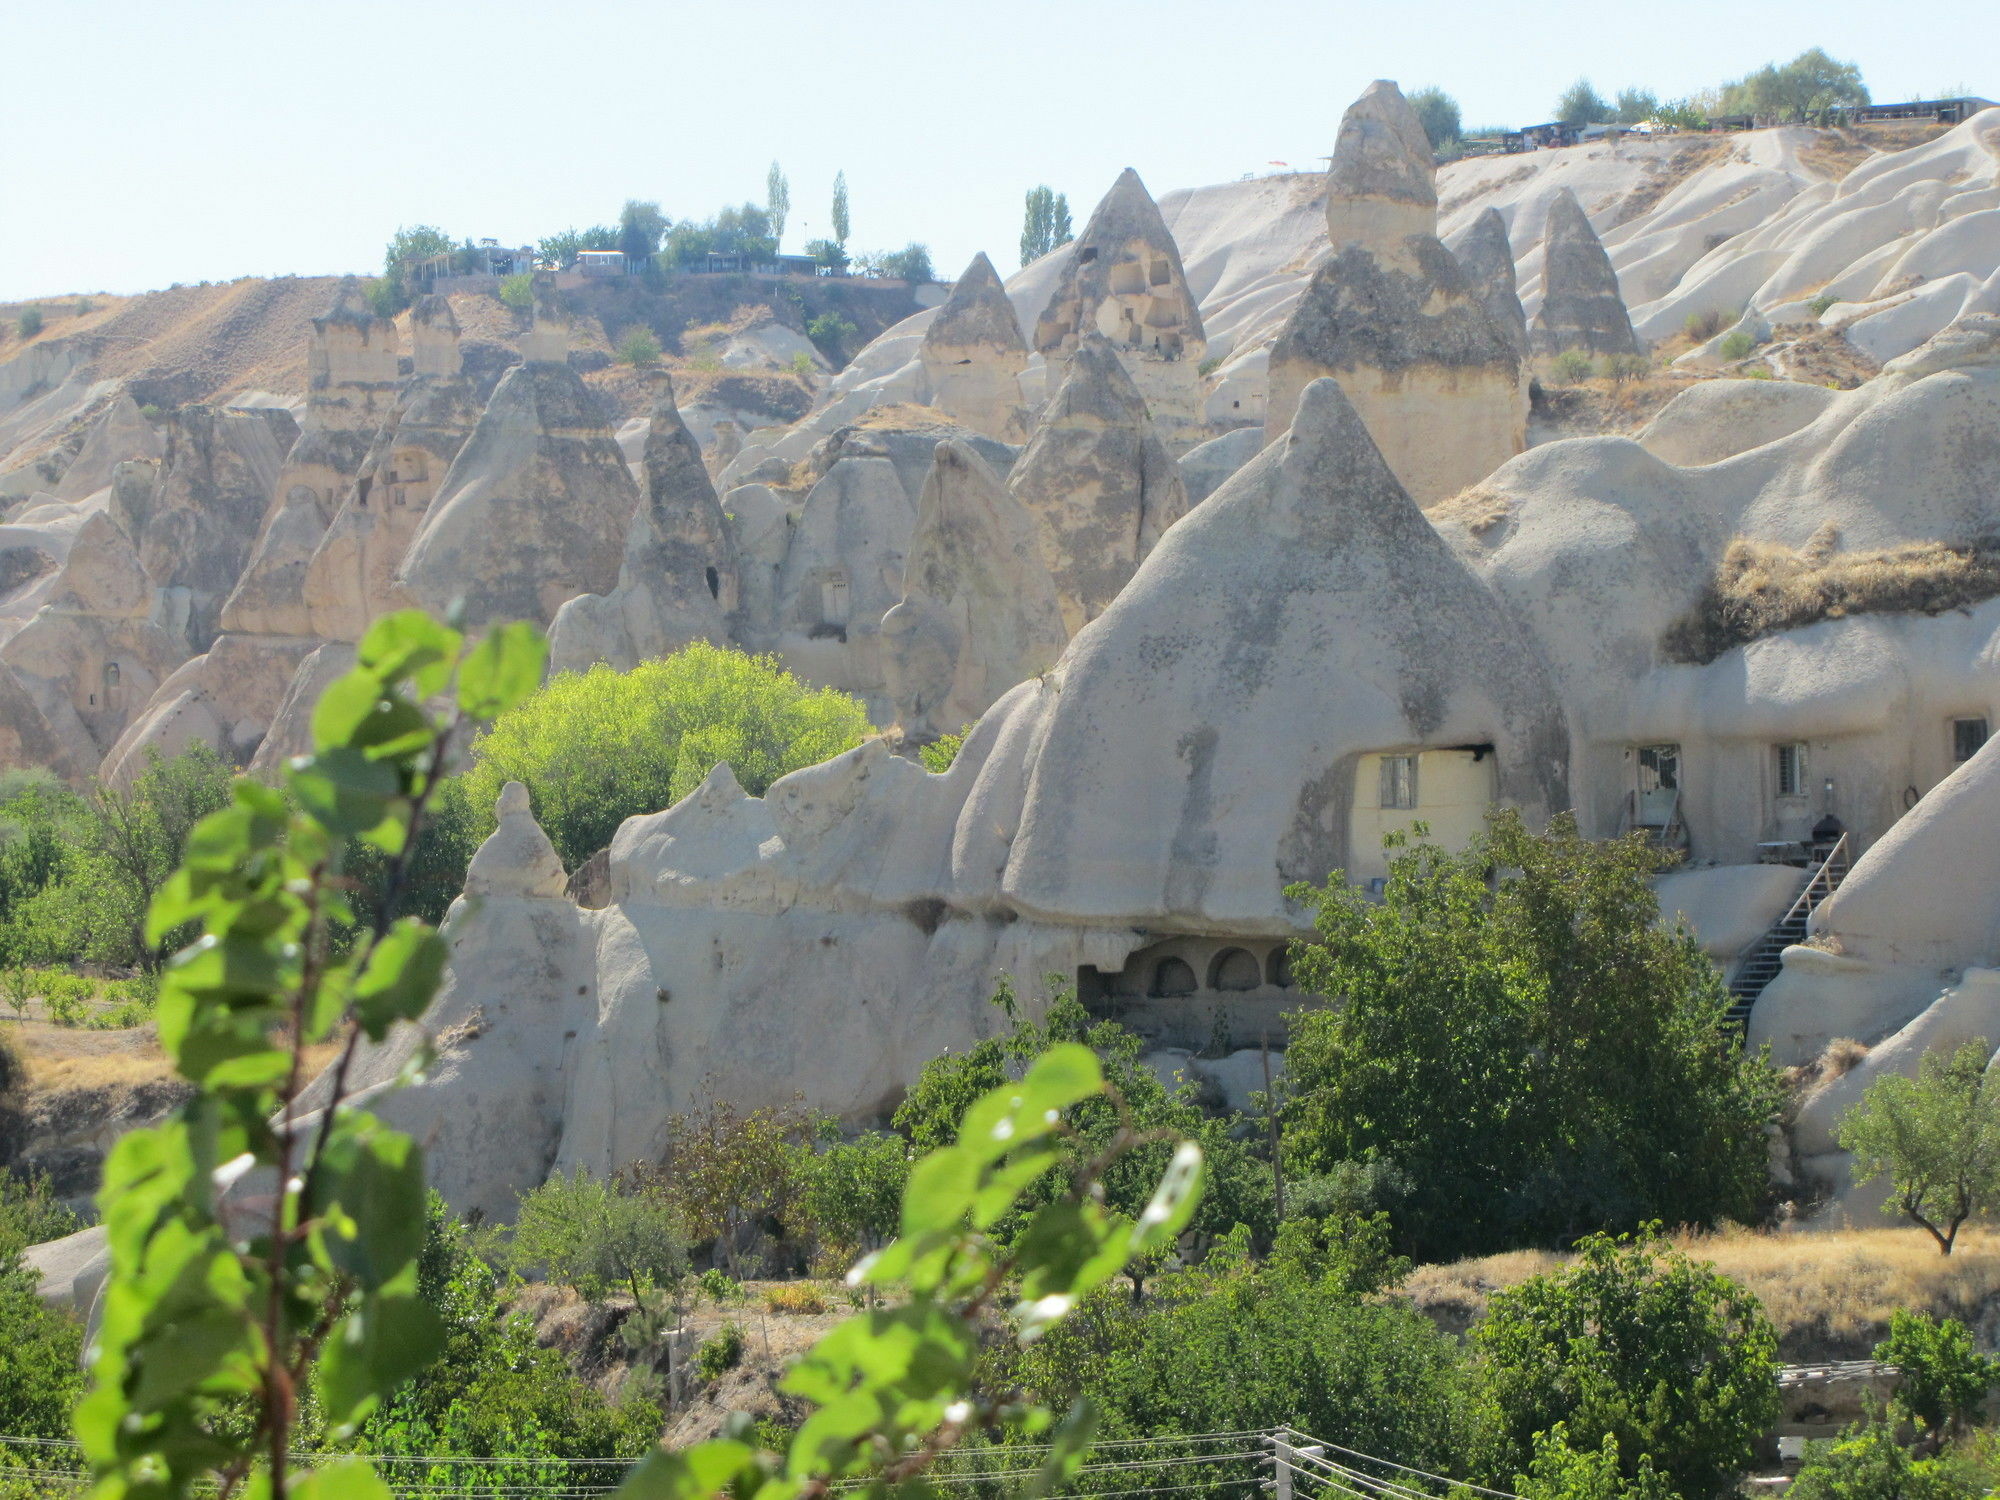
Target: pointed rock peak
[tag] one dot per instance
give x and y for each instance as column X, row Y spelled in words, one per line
column 517, row 859
column 1125, row 257
column 978, row 311
column 665, row 407
column 719, row 788
column 1567, row 220
column 547, row 342
column 1332, row 466
column 955, row 460
column 1486, row 247
column 1382, row 183
column 1096, row 385
column 1581, row 306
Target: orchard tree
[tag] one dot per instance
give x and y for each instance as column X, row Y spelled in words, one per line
column 1942, row 1379
column 777, row 200
column 1936, row 1137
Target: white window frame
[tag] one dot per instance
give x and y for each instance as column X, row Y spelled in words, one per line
column 1797, row 753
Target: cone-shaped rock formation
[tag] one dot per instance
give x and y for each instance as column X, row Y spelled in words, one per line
column 973, row 355
column 1488, row 258
column 1581, row 307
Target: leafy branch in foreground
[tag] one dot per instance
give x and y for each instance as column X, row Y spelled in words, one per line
column 265, row 1243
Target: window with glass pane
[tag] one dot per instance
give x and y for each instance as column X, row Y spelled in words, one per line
column 1967, row 735
column 1399, row 781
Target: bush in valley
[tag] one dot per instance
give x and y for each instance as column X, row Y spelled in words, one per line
column 639, row 348
column 1636, row 1342
column 29, row 323
column 938, row 755
column 1739, row 344
column 1700, row 327
column 1936, row 1137
column 518, row 291
column 1867, row 1462
column 830, row 333
column 597, row 747
column 599, row 1236
column 720, row 1353
column 1571, row 367
column 1942, row 1378
column 1536, row 1057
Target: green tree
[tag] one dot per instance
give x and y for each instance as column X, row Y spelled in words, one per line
column 938, row 755
column 829, row 253
column 1867, row 1463
column 518, row 291
column 842, row 225
column 413, row 243
column 1636, row 1342
column 1581, row 104
column 596, row 1234
column 777, row 200
column 1636, row 105
column 594, row 748
column 1536, row 1057
column 912, row 263
column 1560, row 1472
column 639, row 348
column 830, row 332
column 1044, row 223
column 558, row 252
column 850, row 1191
column 1806, row 88
column 640, row 226
column 30, row 1212
column 1943, row 1379
column 41, row 1371
column 141, row 832
column 1437, row 111
column 29, row 323
column 1936, row 1137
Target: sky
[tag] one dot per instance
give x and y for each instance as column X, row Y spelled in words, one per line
column 143, row 144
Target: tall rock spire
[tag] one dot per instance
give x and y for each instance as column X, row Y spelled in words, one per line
column 1123, row 281
column 1488, row 258
column 973, row 355
column 1394, row 318
column 1581, row 308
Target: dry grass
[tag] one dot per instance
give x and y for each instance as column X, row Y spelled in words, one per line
column 906, row 417
column 1819, row 355
column 798, row 1297
column 1828, row 1294
column 1835, row 153
column 1762, row 588
column 1665, row 173
column 1477, row 510
column 1598, row 405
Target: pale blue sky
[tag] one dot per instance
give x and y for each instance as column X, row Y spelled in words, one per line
column 147, row 143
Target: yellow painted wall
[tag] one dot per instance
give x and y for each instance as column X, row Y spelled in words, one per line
column 1453, row 794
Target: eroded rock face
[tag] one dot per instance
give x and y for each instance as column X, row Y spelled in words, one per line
column 534, row 509
column 1123, row 281
column 1099, row 482
column 679, row 579
column 1394, row 318
column 979, row 611
column 1488, row 259
column 1581, row 307
column 351, row 579
column 973, row 354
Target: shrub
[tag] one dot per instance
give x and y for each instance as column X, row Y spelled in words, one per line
column 802, row 365
column 1936, row 1137
column 1819, row 305
column 1560, row 1472
column 728, row 1171
column 719, row 1286
column 41, row 1364
column 830, row 332
column 29, row 323
column 1636, row 1342
column 1623, row 367
column 518, row 290
column 1944, row 1380
column 1571, row 367
column 1537, row 1057
column 1867, row 1463
column 1703, row 326
column 938, row 755
column 721, row 1353
column 829, row 253
column 1738, row 345
column 594, row 748
column 639, row 348
column 597, row 1235
column 799, row 1297
column 849, row 1192
column 63, row 1002
column 30, row 1214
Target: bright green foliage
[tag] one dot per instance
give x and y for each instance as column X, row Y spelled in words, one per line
column 1438, row 113
column 1867, row 1463
column 415, row 242
column 1535, row 1059
column 1239, row 1186
column 1739, row 344
column 721, row 1353
column 1944, row 1379
column 938, row 755
column 210, row 1332
column 518, row 290
column 1571, row 367
column 639, row 348
column 849, row 1191
column 40, row 1365
column 30, row 1212
column 1581, row 104
column 1044, row 222
column 1936, row 1137
column 1227, row 1346
column 1683, row 114
column 594, row 748
column 1635, row 1341
column 1560, row 1472
column 829, row 331
column 597, row 1235
column 1805, row 88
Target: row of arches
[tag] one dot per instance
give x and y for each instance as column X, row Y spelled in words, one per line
column 1231, row 971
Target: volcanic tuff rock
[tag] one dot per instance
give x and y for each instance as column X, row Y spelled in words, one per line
column 1393, row 317
column 1123, row 280
column 679, row 579
column 534, row 509
column 1098, row 481
column 979, row 611
column 1488, row 260
column 973, row 354
column 1581, row 307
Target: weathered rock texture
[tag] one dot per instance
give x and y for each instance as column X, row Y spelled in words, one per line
column 1488, row 259
column 979, row 611
column 973, row 355
column 1099, row 482
column 1581, row 306
column 1123, row 280
column 679, row 579
column 534, row 509
column 1394, row 318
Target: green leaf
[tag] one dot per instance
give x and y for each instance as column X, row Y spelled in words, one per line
column 374, row 1349
column 410, row 644
column 345, row 789
column 1173, row 1201
column 502, row 669
column 940, row 1190
column 695, row 1473
column 341, row 708
column 402, row 975
column 375, row 1176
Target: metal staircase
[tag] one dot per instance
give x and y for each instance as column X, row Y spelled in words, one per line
column 1759, row 963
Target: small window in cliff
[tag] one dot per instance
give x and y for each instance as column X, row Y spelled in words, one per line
column 714, row 583
column 1235, row 969
column 1399, row 782
column 1086, row 255
column 1173, row 977
column 1967, row 736
column 1791, row 761
column 1163, row 273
